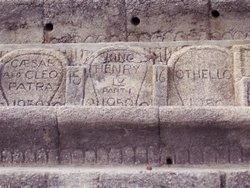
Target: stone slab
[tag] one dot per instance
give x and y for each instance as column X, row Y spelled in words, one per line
column 201, row 76
column 204, row 135
column 33, row 77
column 119, row 77
column 28, row 136
column 21, row 21
column 110, row 177
column 85, row 21
column 107, row 135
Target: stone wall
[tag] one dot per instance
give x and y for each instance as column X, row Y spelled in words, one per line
column 64, row 21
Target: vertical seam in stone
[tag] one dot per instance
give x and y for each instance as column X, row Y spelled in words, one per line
column 43, row 21
column 159, row 134
column 59, row 139
column 209, row 35
column 126, row 20
column 223, row 180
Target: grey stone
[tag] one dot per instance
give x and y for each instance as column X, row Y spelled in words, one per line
column 167, row 20
column 75, row 85
column 160, row 85
column 107, row 130
column 119, row 77
column 201, row 76
column 33, row 77
column 204, row 135
column 85, row 21
column 239, row 179
column 110, row 177
column 27, row 135
column 21, row 21
column 228, row 20
column 242, row 92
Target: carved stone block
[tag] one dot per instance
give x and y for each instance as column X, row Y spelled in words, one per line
column 119, row 77
column 201, row 76
column 33, row 77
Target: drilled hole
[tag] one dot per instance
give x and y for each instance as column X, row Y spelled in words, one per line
column 135, row 21
column 169, row 161
column 48, row 27
column 215, row 13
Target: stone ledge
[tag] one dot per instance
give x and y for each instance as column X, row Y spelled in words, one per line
column 214, row 177
column 124, row 135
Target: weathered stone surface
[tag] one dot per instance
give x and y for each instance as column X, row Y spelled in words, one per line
column 204, row 135
column 75, row 85
column 241, row 59
column 114, row 131
column 66, row 21
column 33, row 77
column 119, row 77
column 228, row 20
column 201, row 76
column 242, row 91
column 110, row 177
column 238, row 179
column 21, row 21
column 85, row 21
column 167, row 20
column 160, row 83
column 28, row 135
column 119, row 74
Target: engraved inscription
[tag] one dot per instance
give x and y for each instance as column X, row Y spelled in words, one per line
column 119, row 77
column 31, row 77
column 201, row 76
column 160, row 85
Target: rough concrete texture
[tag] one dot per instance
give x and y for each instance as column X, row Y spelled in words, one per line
column 70, row 21
column 120, row 74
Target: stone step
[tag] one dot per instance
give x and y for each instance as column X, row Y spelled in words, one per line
column 124, row 135
column 60, row 21
column 133, row 177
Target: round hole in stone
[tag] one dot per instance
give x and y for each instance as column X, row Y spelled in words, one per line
column 215, row 13
column 135, row 20
column 169, row 161
column 48, row 27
